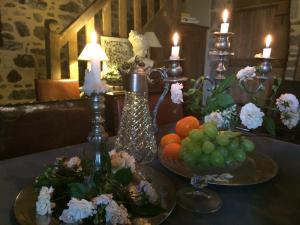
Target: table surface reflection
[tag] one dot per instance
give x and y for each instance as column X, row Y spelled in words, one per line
column 274, row 202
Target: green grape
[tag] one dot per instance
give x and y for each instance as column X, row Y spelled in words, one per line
column 204, row 160
column 196, row 135
column 232, row 134
column 239, row 155
column 216, row 159
column 222, row 150
column 208, row 147
column 187, row 143
column 234, row 144
column 229, row 160
column 248, row 145
column 190, row 160
column 210, row 130
column 222, row 139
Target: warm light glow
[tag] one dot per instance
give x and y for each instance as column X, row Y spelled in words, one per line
column 225, row 15
column 268, row 40
column 175, row 38
column 94, row 37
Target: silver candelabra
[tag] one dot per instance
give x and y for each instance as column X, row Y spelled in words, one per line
column 170, row 74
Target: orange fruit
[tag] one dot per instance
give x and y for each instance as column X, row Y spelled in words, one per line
column 186, row 124
column 172, row 150
column 169, row 138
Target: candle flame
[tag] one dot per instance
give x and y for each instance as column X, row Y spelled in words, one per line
column 94, row 37
column 225, row 15
column 268, row 40
column 175, row 38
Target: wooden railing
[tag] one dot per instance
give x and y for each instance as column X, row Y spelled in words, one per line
column 56, row 40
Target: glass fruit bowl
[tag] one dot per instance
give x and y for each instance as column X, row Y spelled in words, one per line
column 198, row 198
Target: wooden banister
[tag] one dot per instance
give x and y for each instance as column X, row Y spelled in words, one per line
column 123, row 18
column 137, row 15
column 83, row 19
column 56, row 40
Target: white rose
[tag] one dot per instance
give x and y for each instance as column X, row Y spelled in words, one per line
column 72, row 162
column 287, row 103
column 43, row 204
column 149, row 191
column 121, row 160
column 78, row 210
column 115, row 214
column 251, row 116
column 290, row 119
column 176, row 93
column 246, row 73
column 215, row 117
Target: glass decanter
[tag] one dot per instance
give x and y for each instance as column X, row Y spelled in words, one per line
column 136, row 133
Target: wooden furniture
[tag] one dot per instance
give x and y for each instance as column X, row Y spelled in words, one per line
column 192, row 48
column 53, row 90
column 29, row 128
column 114, row 102
column 252, row 20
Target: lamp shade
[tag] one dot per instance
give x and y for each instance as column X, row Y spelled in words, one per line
column 152, row 40
column 93, row 51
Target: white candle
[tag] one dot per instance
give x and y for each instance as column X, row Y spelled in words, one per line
column 95, row 62
column 225, row 25
column 267, row 50
column 175, row 47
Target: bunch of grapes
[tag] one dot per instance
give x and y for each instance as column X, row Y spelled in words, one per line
column 209, row 148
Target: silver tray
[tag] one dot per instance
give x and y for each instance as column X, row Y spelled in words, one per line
column 24, row 207
column 257, row 168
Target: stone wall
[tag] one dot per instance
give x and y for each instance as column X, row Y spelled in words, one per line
column 22, row 47
column 293, row 65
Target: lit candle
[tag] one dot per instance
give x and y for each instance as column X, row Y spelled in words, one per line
column 175, row 47
column 95, row 66
column 267, row 50
column 225, row 25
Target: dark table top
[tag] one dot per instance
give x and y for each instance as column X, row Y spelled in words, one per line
column 271, row 203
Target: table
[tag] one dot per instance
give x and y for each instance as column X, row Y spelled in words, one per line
column 276, row 202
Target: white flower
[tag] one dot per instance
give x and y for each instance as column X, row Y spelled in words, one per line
column 228, row 116
column 290, row 119
column 287, row 103
column 145, row 187
column 78, row 210
column 93, row 83
column 116, row 214
column 121, row 160
column 176, row 93
column 215, row 117
column 251, row 116
column 103, row 199
column 246, row 73
column 72, row 162
column 43, row 204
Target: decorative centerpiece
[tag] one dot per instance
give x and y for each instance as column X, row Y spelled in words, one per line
column 209, row 154
column 71, row 192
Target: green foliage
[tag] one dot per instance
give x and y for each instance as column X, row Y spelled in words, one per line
column 269, row 125
column 123, row 176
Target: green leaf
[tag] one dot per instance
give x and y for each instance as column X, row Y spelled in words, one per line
column 270, row 126
column 147, row 210
column 123, row 176
column 224, row 100
column 78, row 190
column 224, row 85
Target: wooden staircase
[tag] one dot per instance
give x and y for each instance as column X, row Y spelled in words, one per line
column 161, row 21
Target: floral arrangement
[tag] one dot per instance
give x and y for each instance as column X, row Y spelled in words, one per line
column 72, row 192
column 221, row 108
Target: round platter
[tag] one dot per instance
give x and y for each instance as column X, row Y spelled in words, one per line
column 24, row 207
column 258, row 168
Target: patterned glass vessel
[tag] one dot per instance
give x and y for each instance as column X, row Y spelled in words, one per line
column 136, row 133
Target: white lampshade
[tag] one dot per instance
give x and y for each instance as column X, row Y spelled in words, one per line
column 152, row 40
column 93, row 51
